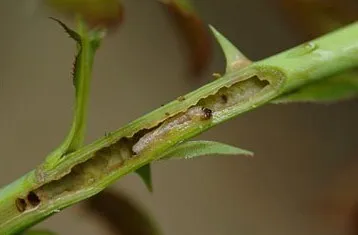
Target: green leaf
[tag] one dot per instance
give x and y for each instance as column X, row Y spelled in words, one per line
column 235, row 59
column 38, row 232
column 145, row 173
column 74, row 35
column 193, row 149
column 334, row 89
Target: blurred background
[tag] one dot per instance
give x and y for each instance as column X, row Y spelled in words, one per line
column 302, row 179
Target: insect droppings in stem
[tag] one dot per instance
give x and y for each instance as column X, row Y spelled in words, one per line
column 224, row 99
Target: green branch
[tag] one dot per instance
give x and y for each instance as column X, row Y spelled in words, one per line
column 83, row 173
column 88, row 42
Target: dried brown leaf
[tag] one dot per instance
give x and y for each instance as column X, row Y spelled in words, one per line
column 194, row 32
column 97, row 13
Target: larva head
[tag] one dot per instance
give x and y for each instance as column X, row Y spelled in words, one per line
column 200, row 113
column 207, row 113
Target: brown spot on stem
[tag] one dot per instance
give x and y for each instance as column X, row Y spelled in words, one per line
column 181, row 98
column 33, row 199
column 20, row 204
column 216, row 75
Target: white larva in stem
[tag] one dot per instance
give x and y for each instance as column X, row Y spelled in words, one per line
column 193, row 114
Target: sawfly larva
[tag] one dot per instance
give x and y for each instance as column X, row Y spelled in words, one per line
column 194, row 114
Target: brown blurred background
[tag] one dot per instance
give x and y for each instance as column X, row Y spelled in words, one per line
column 301, row 181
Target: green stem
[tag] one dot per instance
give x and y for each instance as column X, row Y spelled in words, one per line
column 89, row 170
column 87, row 44
column 82, row 84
